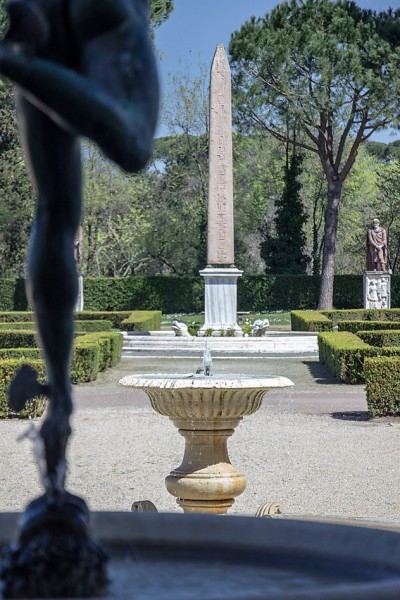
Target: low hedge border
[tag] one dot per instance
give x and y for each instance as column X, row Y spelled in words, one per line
column 116, row 317
column 310, row 320
column 80, row 326
column 91, row 353
column 344, row 353
column 381, row 337
column 382, row 384
column 359, row 326
column 318, row 320
column 142, row 320
column 128, row 320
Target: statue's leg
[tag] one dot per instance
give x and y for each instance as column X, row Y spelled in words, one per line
column 52, row 276
column 53, row 288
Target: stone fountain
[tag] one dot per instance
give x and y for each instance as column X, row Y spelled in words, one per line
column 206, row 409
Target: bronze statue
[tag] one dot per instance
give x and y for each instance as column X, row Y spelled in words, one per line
column 377, row 248
column 82, row 68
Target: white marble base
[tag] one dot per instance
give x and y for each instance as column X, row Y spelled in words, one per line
column 220, row 301
column 376, row 289
column 79, row 301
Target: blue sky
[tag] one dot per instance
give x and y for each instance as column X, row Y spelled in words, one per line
column 195, row 27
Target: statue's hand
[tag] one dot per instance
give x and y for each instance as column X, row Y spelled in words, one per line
column 28, row 27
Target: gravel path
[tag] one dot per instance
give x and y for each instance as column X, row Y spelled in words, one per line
column 310, row 447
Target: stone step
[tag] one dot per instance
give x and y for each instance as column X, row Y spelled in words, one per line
column 277, row 343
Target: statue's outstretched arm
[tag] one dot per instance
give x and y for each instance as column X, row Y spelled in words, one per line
column 116, row 108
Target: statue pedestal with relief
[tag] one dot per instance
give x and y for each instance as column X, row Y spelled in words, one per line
column 376, row 289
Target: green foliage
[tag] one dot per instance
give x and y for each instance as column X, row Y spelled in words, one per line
column 343, row 353
column 29, row 353
column 168, row 293
column 160, row 10
column 13, row 297
column 381, row 337
column 310, row 320
column 358, row 326
column 284, row 251
column 87, row 326
column 351, row 320
column 109, row 346
column 332, row 69
column 17, row 339
column 8, row 369
column 85, row 364
column 16, row 325
column 115, row 317
column 141, row 320
column 382, row 379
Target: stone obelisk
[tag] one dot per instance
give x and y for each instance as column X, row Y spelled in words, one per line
column 220, row 275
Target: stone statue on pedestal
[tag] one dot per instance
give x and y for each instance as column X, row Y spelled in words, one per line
column 377, row 248
column 376, row 281
column 82, row 69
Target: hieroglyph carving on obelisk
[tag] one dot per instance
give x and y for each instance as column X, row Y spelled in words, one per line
column 220, row 193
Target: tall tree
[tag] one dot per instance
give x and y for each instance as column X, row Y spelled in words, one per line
column 332, row 66
column 284, row 250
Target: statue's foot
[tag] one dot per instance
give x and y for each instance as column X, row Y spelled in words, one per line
column 55, row 556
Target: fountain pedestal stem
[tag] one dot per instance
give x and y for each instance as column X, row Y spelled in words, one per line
column 206, row 481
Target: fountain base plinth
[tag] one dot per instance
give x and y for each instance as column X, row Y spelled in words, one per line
column 55, row 555
column 206, row 481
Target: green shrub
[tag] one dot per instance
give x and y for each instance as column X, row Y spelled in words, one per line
column 116, row 340
column 344, row 353
column 28, row 353
column 16, row 316
column 110, row 347
column 310, row 320
column 355, row 326
column 85, row 362
column 142, row 320
column 17, row 325
column 116, row 317
column 89, row 326
column 17, row 339
column 8, row 369
column 381, row 338
column 382, row 379
column 170, row 293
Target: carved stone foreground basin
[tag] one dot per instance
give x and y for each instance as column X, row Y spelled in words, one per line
column 206, row 410
column 202, row 557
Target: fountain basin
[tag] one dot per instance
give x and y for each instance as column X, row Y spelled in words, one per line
column 203, row 557
column 206, row 410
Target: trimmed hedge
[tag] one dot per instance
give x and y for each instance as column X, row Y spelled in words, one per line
column 116, row 317
column 8, row 368
column 16, row 316
column 79, row 326
column 85, row 364
column 169, row 293
column 358, row 326
column 90, row 326
column 364, row 314
column 316, row 320
column 90, row 353
column 381, row 337
column 310, row 320
column 175, row 294
column 18, row 339
column 382, row 379
column 110, row 348
column 344, row 353
column 142, row 320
